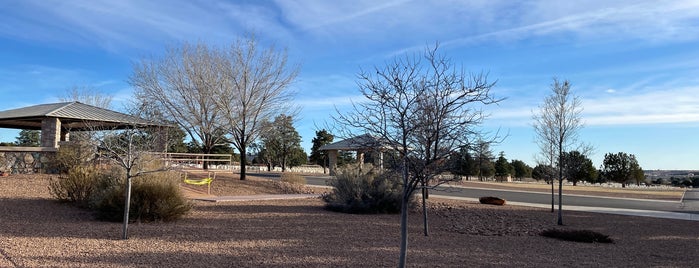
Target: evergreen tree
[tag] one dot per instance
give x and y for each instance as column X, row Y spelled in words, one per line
column 621, row 167
column 463, row 163
column 543, row 172
column 502, row 167
column 319, row 157
column 520, row 169
column 577, row 167
column 29, row 138
column 281, row 141
column 484, row 161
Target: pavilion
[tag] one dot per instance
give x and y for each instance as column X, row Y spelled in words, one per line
column 56, row 121
column 360, row 144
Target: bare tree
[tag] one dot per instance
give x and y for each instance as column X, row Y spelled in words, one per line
column 557, row 125
column 130, row 148
column 426, row 111
column 87, row 94
column 547, row 154
column 256, row 90
column 182, row 86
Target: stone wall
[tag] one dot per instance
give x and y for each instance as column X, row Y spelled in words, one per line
column 26, row 160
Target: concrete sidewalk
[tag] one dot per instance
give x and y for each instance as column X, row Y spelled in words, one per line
column 617, row 211
column 254, row 197
column 200, row 195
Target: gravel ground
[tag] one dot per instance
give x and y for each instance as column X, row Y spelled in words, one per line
column 36, row 231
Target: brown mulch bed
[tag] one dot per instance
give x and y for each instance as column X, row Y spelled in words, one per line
column 36, row 231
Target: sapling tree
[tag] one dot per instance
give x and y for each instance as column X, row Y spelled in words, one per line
column 130, row 148
column 425, row 109
column 557, row 125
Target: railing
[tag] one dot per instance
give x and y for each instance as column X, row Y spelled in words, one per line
column 196, row 159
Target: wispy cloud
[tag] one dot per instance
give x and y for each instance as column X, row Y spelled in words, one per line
column 38, row 84
column 315, row 15
column 638, row 107
column 328, row 103
column 649, row 21
column 659, row 106
column 116, row 25
column 326, row 92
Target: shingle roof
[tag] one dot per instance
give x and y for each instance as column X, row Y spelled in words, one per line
column 73, row 115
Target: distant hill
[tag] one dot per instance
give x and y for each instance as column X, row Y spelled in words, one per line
column 671, row 173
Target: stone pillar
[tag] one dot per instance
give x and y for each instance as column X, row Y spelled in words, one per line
column 332, row 161
column 65, row 135
column 381, row 160
column 161, row 139
column 360, row 159
column 50, row 132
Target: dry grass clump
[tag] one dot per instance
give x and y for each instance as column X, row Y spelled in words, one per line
column 154, row 197
column 363, row 191
column 293, row 178
column 77, row 186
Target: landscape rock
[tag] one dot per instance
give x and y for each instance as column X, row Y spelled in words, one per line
column 491, row 200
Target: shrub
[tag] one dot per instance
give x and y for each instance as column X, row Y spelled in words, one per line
column 72, row 154
column 363, row 191
column 586, row 236
column 293, row 178
column 77, row 186
column 154, row 197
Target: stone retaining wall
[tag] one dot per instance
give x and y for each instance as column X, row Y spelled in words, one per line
column 26, row 160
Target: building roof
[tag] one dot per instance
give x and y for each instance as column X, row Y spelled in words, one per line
column 360, row 142
column 73, row 115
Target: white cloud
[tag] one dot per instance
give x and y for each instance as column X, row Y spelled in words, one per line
column 659, row 106
column 639, row 107
column 328, row 103
column 671, row 21
column 114, row 25
column 118, row 25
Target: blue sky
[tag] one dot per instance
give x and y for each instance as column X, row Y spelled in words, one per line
column 634, row 64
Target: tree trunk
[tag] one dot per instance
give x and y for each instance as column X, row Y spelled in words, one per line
column 403, row 229
column 243, row 162
column 553, row 197
column 404, row 215
column 127, row 203
column 560, row 199
column 204, row 163
column 560, row 182
column 424, row 209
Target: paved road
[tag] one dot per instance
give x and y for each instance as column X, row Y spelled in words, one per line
column 568, row 199
column 689, row 204
column 690, row 201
